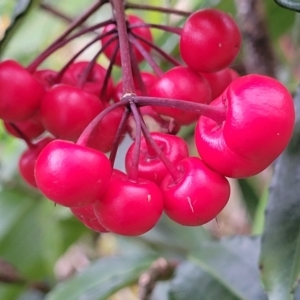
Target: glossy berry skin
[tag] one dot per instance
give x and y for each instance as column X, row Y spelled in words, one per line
column 210, row 40
column 72, row 175
column 94, row 81
column 219, row 81
column 129, row 208
column 184, row 84
column 67, row 110
column 198, row 196
column 103, row 136
column 258, row 126
column 148, row 79
column 31, row 128
column 86, row 215
column 150, row 166
column 20, row 92
column 28, row 159
column 144, row 32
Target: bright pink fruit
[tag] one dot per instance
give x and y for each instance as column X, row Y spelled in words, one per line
column 28, row 159
column 86, row 215
column 210, row 40
column 67, row 110
column 184, row 84
column 144, row 32
column 198, row 196
column 150, row 165
column 258, row 126
column 129, row 208
column 94, row 80
column 72, row 175
column 46, row 77
column 20, row 92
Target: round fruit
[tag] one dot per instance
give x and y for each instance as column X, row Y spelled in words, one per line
column 210, row 40
column 72, row 175
column 198, row 196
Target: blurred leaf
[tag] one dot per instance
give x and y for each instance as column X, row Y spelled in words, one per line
column 102, row 278
column 10, row 292
column 289, row 4
column 280, row 253
column 233, row 262
column 22, row 8
column 192, row 282
column 250, row 196
column 169, row 238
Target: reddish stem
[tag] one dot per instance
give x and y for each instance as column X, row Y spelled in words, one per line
column 22, row 135
column 157, row 70
column 158, row 9
column 118, row 136
column 218, row 114
column 166, row 28
column 164, row 54
column 174, row 172
column 128, row 86
column 134, row 171
column 84, row 137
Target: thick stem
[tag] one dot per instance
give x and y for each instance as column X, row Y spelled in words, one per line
column 128, row 86
column 84, row 137
column 155, row 67
column 218, row 114
column 157, row 8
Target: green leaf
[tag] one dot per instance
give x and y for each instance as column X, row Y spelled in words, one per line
column 233, row 263
column 289, row 4
column 280, row 253
column 102, row 278
column 21, row 10
column 193, row 282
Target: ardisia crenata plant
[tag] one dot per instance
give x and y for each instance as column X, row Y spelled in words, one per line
column 74, row 119
column 73, row 103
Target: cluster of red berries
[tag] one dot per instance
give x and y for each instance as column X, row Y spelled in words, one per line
column 243, row 124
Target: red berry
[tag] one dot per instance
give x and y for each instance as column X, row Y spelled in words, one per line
column 210, row 40
column 31, row 128
column 67, row 110
column 258, row 127
column 86, row 215
column 198, row 196
column 46, row 77
column 144, row 32
column 94, row 81
column 20, row 92
column 28, row 159
column 218, row 81
column 103, row 135
column 150, row 165
column 185, row 84
column 72, row 175
column 129, row 208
